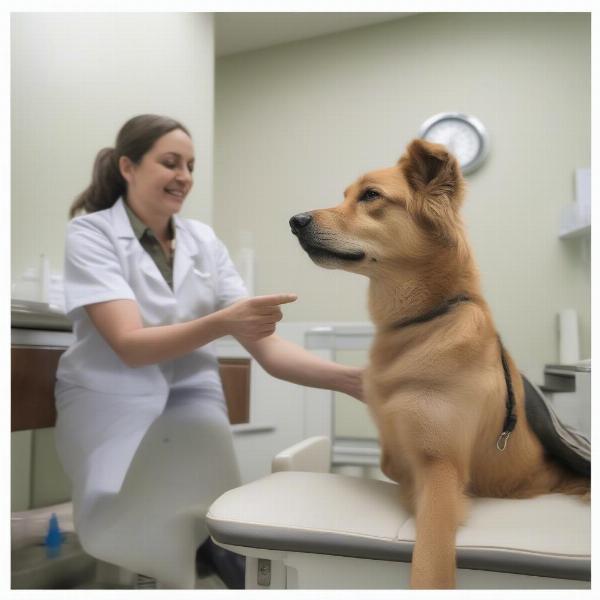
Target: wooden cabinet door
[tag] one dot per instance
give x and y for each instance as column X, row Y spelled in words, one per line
column 235, row 375
column 33, row 374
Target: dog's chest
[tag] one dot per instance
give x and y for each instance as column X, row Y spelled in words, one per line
column 420, row 410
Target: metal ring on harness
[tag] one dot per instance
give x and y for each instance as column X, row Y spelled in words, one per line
column 502, row 440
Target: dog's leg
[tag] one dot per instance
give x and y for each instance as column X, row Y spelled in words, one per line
column 440, row 507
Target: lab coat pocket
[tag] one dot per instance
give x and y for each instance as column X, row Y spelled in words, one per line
column 204, row 279
column 204, row 275
column 200, row 294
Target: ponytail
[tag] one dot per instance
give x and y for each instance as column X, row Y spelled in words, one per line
column 135, row 138
column 106, row 187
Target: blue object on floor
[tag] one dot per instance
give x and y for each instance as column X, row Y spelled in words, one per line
column 54, row 538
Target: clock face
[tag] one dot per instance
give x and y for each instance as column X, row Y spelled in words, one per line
column 464, row 137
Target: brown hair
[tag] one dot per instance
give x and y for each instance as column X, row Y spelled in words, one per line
column 134, row 139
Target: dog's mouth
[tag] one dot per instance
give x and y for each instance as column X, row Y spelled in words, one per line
column 317, row 243
column 317, row 251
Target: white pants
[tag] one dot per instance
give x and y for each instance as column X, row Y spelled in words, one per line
column 144, row 470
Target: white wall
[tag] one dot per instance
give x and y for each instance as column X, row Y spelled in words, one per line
column 75, row 79
column 296, row 123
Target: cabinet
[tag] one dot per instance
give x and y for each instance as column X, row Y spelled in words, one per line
column 33, row 373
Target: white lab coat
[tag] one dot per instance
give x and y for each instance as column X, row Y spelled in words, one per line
column 105, row 261
column 107, row 410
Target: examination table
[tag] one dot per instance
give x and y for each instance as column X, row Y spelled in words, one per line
column 302, row 527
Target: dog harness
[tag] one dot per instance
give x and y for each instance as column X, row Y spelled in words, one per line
column 440, row 310
column 511, row 418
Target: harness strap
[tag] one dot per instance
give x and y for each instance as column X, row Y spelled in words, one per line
column 511, row 419
column 432, row 314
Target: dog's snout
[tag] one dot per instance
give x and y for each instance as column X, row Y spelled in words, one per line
column 300, row 221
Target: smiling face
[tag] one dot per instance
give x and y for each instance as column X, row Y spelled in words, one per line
column 160, row 182
column 392, row 218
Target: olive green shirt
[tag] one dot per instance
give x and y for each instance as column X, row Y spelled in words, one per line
column 152, row 246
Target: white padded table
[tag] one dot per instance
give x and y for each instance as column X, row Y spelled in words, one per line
column 340, row 516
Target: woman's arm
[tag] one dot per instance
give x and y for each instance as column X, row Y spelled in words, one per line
column 286, row 360
column 120, row 323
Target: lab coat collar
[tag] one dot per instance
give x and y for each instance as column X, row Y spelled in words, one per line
column 186, row 249
column 121, row 222
column 186, row 253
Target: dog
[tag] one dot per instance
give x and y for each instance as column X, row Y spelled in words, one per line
column 447, row 398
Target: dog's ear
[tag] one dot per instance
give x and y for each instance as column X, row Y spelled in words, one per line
column 432, row 171
column 437, row 184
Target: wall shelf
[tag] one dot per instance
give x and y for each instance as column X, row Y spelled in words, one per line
column 576, row 217
column 575, row 232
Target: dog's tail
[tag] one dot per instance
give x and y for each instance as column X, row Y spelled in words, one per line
column 577, row 485
column 553, row 478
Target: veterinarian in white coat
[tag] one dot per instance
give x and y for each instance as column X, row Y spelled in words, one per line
column 148, row 292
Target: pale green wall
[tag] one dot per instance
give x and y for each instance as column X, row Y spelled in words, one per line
column 37, row 477
column 20, row 469
column 296, row 123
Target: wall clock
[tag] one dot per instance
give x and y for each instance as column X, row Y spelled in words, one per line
column 463, row 135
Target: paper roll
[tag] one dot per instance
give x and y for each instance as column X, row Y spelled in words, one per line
column 568, row 336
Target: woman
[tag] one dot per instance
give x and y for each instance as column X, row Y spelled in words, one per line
column 148, row 292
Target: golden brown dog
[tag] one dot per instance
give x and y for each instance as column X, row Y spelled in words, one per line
column 436, row 384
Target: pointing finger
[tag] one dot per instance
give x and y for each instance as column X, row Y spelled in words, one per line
column 274, row 299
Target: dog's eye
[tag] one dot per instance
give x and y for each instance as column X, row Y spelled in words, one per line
column 369, row 194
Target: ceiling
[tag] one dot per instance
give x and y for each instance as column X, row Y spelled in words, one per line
column 240, row 32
